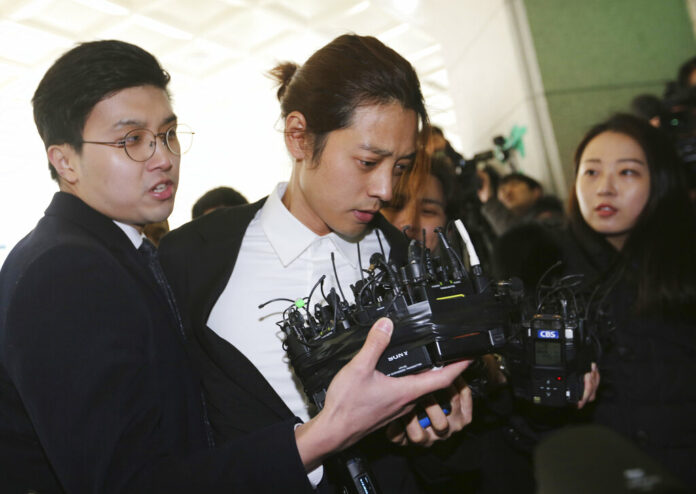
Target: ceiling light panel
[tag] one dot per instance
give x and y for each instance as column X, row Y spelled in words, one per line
column 149, row 39
column 294, row 47
column 191, row 17
column 198, row 57
column 71, row 19
column 407, row 40
column 248, row 28
column 307, row 9
column 370, row 20
column 28, row 45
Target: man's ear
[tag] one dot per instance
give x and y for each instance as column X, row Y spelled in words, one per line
column 296, row 139
column 63, row 158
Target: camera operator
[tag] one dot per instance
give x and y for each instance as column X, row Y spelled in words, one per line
column 520, row 199
column 352, row 114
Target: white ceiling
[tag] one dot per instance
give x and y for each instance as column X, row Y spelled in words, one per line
column 204, row 40
column 217, row 52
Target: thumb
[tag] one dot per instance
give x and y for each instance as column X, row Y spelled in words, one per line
column 376, row 342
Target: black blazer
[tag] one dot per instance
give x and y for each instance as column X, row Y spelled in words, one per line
column 96, row 391
column 198, row 259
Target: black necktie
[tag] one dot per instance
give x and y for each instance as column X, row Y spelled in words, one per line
column 149, row 252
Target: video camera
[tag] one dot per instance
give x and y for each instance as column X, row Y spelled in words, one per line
column 549, row 355
column 441, row 314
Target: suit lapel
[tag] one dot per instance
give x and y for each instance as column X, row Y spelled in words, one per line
column 222, row 240
column 102, row 228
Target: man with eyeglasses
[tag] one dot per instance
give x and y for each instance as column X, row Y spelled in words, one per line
column 96, row 391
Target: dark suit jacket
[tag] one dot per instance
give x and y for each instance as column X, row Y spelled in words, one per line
column 198, row 259
column 96, row 391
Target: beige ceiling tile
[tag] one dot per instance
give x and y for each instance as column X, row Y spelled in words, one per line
column 146, row 37
column 407, row 39
column 249, row 28
column 198, row 57
column 367, row 19
column 28, row 45
column 438, row 79
column 439, row 101
column 313, row 9
column 191, row 16
column 9, row 71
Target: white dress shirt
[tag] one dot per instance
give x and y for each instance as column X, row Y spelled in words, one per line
column 131, row 232
column 281, row 257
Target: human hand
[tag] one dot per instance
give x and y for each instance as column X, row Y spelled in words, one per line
column 591, row 385
column 360, row 399
column 408, row 429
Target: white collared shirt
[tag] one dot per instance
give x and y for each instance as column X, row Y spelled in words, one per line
column 281, row 257
column 132, row 233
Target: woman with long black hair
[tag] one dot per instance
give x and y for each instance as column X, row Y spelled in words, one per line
column 633, row 234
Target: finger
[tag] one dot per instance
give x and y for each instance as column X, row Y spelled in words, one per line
column 590, row 384
column 415, row 433
column 465, row 403
column 595, row 381
column 427, row 382
column 437, row 417
column 376, row 342
column 396, row 433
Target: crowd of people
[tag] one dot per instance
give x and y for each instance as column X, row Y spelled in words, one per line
column 126, row 367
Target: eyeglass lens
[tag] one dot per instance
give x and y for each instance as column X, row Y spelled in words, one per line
column 141, row 144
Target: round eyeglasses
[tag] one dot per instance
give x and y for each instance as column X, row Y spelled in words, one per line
column 141, row 144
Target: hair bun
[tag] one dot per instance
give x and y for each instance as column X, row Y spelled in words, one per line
column 282, row 74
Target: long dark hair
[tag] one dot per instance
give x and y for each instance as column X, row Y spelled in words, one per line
column 660, row 252
column 349, row 72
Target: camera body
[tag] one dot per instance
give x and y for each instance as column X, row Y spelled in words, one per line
column 439, row 317
column 550, row 353
column 442, row 314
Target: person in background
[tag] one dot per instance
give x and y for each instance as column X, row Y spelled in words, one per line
column 155, row 231
column 632, row 237
column 648, row 107
column 430, row 207
column 686, row 77
column 218, row 197
column 634, row 231
column 437, row 142
column 516, row 195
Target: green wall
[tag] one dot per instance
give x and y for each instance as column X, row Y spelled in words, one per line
column 596, row 55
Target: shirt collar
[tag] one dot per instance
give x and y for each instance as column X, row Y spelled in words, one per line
column 289, row 237
column 133, row 235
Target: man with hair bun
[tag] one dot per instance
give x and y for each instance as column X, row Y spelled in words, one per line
column 352, row 119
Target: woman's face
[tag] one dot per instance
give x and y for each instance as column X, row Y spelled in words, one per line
column 424, row 212
column 612, row 185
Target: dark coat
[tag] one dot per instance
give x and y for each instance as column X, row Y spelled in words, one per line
column 198, row 259
column 96, row 391
column 647, row 364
